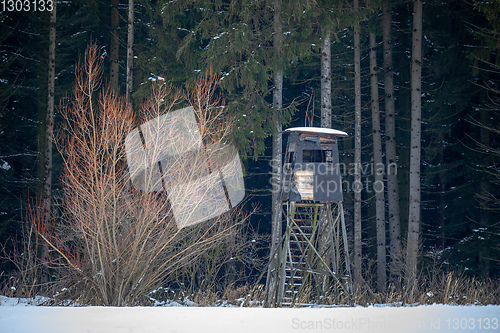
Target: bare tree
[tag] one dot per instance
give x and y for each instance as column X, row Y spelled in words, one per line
column 379, row 168
column 415, row 149
column 390, row 151
column 113, row 243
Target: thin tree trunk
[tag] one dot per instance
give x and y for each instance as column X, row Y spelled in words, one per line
column 357, row 153
column 326, row 122
column 484, row 188
column 49, row 133
column 485, row 185
column 415, row 147
column 49, row 122
column 115, row 45
column 277, row 151
column 378, row 168
column 277, row 138
column 326, row 82
column 403, row 153
column 390, row 151
column 130, row 53
column 442, row 187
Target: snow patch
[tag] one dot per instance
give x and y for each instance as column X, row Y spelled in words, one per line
column 5, row 166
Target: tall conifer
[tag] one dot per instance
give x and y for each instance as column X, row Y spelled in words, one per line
column 378, row 167
column 115, row 45
column 390, row 149
column 415, row 149
column 357, row 153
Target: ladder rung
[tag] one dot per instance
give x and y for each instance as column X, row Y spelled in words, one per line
column 288, row 269
column 291, row 291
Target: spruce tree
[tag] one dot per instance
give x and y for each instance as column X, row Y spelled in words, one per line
column 23, row 70
column 378, row 168
column 390, row 148
column 357, row 185
column 415, row 150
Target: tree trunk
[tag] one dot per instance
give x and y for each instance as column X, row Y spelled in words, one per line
column 415, row 147
column 378, row 168
column 326, row 82
column 357, row 154
column 403, row 153
column 277, row 138
column 442, row 188
column 49, row 134
column 277, row 149
column 130, row 53
column 115, row 45
column 484, row 187
column 390, row 151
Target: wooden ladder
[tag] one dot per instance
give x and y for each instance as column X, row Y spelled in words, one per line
column 302, row 235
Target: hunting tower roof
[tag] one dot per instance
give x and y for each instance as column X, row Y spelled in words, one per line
column 322, row 132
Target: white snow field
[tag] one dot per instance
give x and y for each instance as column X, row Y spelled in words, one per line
column 23, row 318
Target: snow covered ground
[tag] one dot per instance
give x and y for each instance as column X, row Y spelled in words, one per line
column 21, row 317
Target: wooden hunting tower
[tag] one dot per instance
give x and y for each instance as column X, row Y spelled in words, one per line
column 311, row 258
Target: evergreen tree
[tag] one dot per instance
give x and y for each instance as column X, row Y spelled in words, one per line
column 22, row 77
column 479, row 250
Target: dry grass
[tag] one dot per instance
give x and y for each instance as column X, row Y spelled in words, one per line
column 438, row 286
column 441, row 287
column 444, row 288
